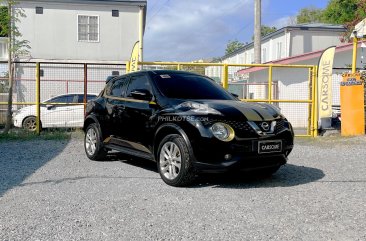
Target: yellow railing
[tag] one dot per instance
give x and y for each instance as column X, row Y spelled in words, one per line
column 269, row 98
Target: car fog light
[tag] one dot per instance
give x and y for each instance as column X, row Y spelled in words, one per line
column 223, row 131
column 227, row 157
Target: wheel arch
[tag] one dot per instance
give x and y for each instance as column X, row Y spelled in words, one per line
column 28, row 116
column 90, row 120
column 167, row 129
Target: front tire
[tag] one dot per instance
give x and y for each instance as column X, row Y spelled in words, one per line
column 30, row 123
column 93, row 143
column 175, row 161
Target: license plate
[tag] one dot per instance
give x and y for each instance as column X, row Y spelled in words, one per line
column 269, row 146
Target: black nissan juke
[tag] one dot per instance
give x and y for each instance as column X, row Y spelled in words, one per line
column 187, row 123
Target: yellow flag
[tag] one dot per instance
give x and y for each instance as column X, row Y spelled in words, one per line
column 134, row 57
column 325, row 71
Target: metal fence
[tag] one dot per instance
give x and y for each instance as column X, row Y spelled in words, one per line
column 62, row 89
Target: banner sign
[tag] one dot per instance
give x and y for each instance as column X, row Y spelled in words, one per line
column 352, row 105
column 134, row 60
column 325, row 71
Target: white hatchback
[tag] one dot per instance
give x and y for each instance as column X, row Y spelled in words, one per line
column 60, row 111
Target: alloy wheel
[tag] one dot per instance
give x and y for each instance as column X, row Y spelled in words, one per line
column 91, row 141
column 30, row 124
column 170, row 160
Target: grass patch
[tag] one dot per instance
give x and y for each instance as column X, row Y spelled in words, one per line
column 22, row 135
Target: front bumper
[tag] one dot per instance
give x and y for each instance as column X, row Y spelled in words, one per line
column 212, row 155
column 18, row 120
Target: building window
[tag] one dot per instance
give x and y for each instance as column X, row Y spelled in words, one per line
column 115, row 13
column 41, row 73
column 3, row 50
column 39, row 10
column 279, row 50
column 114, row 72
column 264, row 55
column 88, row 28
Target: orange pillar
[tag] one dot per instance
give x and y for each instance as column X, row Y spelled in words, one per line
column 352, row 105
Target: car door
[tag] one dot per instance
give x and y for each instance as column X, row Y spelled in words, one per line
column 138, row 111
column 58, row 112
column 115, row 105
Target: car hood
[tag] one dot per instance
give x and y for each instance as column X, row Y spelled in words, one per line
column 29, row 110
column 227, row 109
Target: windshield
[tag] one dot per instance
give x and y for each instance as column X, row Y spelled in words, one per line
column 190, row 86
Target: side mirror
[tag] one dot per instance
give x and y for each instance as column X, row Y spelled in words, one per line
column 109, row 78
column 49, row 107
column 235, row 95
column 141, row 94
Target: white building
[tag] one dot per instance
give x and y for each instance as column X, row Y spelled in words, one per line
column 285, row 42
column 300, row 44
column 75, row 31
column 82, row 30
column 3, row 49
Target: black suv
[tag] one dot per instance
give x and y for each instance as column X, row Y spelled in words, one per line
column 187, row 123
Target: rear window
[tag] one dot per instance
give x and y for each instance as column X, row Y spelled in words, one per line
column 190, row 86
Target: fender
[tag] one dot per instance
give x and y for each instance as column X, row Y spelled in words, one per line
column 180, row 131
column 91, row 117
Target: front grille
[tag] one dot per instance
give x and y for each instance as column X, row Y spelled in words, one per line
column 243, row 129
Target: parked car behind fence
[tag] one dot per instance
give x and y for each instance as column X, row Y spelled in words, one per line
column 65, row 110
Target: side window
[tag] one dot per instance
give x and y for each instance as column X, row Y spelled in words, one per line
column 80, row 98
column 138, row 82
column 75, row 98
column 88, row 97
column 118, row 87
column 62, row 99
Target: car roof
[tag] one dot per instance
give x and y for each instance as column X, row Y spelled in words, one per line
column 153, row 72
column 76, row 93
column 163, row 71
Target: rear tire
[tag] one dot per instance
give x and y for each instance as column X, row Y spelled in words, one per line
column 175, row 161
column 93, row 143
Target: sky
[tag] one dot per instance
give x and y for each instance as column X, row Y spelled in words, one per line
column 187, row 30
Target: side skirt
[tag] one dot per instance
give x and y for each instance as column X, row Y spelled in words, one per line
column 129, row 148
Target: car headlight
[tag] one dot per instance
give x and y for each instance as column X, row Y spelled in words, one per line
column 17, row 112
column 223, row 131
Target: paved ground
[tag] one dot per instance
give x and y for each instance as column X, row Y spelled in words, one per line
column 50, row 191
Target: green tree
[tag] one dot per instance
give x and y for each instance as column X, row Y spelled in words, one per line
column 16, row 48
column 3, row 21
column 265, row 30
column 346, row 12
column 310, row 15
column 232, row 46
column 340, row 11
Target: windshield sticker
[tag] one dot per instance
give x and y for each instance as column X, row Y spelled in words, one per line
column 165, row 76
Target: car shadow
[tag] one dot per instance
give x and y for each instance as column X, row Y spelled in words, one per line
column 287, row 176
column 133, row 161
column 20, row 159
